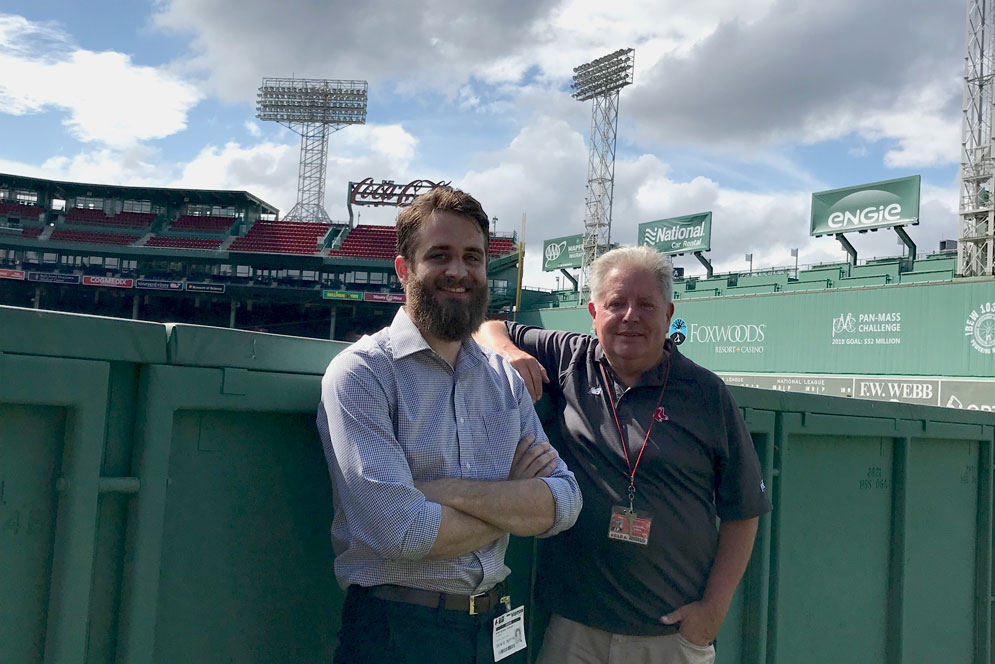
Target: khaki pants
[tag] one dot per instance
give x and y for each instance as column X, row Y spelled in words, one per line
column 569, row 642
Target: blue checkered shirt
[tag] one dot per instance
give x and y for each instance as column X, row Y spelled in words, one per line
column 394, row 412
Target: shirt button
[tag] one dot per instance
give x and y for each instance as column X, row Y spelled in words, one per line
column 467, row 465
column 462, row 420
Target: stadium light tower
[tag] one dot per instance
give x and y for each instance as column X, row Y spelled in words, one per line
column 313, row 108
column 976, row 239
column 601, row 80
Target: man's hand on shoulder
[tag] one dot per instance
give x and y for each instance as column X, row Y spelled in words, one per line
column 699, row 622
column 529, row 368
column 532, row 461
column 494, row 335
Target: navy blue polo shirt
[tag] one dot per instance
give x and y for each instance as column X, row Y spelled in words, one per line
column 699, row 464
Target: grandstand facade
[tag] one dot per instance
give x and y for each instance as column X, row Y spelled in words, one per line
column 202, row 256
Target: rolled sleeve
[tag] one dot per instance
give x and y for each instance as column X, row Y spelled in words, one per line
column 383, row 509
column 562, row 483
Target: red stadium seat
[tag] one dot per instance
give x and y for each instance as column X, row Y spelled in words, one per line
column 91, row 237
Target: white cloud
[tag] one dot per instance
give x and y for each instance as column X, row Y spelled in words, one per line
column 269, row 169
column 253, row 128
column 107, row 98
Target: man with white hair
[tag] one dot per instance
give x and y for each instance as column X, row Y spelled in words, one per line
column 659, row 450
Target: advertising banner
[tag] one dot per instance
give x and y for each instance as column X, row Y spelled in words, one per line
column 945, row 392
column 341, row 295
column 678, row 235
column 938, row 330
column 562, row 252
column 50, row 278
column 392, row 298
column 159, row 284
column 12, row 274
column 205, row 288
column 113, row 282
column 876, row 205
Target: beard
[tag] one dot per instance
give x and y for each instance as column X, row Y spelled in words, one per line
column 446, row 318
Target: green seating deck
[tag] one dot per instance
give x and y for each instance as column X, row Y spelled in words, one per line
column 758, row 289
column 864, row 281
column 926, row 276
column 762, row 280
column 815, row 284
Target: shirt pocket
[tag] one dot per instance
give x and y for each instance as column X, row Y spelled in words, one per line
column 503, row 429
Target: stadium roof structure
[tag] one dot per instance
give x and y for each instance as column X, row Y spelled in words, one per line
column 172, row 196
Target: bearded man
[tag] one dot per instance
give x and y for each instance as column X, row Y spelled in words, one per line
column 435, row 454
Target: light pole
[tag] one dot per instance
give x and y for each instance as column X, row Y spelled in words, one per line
column 313, row 109
column 601, row 80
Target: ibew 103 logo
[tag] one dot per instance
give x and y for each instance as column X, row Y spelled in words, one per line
column 980, row 328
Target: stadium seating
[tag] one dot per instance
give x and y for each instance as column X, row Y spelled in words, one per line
column 499, row 246
column 206, row 243
column 926, row 276
column 8, row 209
column 377, row 242
column 887, row 269
column 91, row 237
column 863, row 281
column 85, row 216
column 380, row 242
column 282, row 237
column 813, row 284
column 133, row 219
column 189, row 222
column 755, row 289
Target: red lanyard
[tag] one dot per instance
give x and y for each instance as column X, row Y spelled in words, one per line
column 625, row 445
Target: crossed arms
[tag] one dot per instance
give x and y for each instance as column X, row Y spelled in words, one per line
column 397, row 518
column 477, row 512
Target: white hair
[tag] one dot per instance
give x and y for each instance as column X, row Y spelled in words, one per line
column 633, row 257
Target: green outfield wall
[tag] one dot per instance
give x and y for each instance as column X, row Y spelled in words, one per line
column 164, row 499
column 932, row 344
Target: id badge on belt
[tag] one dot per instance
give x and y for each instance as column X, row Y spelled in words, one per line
column 628, row 525
column 509, row 632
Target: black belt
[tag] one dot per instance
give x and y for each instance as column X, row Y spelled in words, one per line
column 472, row 604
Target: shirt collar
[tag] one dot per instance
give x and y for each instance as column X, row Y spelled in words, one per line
column 406, row 339
column 651, row 377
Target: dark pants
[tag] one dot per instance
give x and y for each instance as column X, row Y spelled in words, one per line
column 378, row 631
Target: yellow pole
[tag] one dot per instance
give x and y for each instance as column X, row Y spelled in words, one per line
column 521, row 268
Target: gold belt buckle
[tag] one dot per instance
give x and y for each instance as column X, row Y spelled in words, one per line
column 473, row 603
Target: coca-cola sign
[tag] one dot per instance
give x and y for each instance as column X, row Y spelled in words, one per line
column 388, row 192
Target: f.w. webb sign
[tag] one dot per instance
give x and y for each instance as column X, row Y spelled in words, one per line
column 678, row 235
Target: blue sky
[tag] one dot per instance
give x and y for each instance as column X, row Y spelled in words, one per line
column 740, row 108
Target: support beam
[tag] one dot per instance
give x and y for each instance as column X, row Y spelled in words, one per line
column 570, row 278
column 704, row 261
column 904, row 237
column 847, row 247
